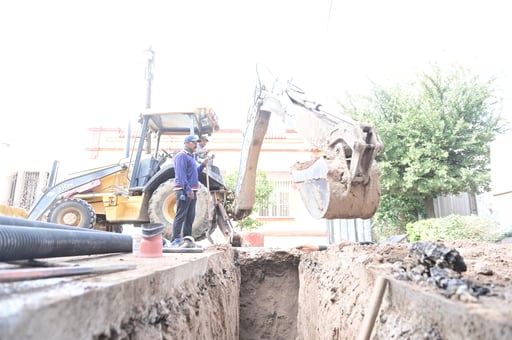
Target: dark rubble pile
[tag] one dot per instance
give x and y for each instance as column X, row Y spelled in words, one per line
column 435, row 263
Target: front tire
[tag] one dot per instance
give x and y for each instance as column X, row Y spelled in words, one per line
column 73, row 212
column 162, row 209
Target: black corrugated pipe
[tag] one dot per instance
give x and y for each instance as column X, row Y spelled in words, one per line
column 25, row 243
column 22, row 222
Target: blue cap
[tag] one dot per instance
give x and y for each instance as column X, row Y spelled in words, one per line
column 190, row 138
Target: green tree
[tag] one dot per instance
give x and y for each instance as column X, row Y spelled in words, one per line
column 264, row 189
column 436, row 134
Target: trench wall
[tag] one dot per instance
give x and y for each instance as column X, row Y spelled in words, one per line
column 181, row 296
column 338, row 287
column 268, row 294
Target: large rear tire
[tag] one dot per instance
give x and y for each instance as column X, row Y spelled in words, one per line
column 162, row 209
column 73, row 212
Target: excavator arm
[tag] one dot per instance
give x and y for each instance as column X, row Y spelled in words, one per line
column 342, row 183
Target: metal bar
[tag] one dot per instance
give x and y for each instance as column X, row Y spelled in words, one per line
column 210, row 216
column 136, row 163
column 182, row 250
column 10, row 275
column 38, row 263
column 373, row 310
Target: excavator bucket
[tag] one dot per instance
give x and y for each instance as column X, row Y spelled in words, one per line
column 343, row 183
column 328, row 192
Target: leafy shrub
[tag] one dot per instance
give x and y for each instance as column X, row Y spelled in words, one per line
column 394, row 213
column 381, row 230
column 249, row 223
column 455, row 227
column 263, row 192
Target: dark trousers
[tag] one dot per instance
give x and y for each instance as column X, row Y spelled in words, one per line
column 185, row 214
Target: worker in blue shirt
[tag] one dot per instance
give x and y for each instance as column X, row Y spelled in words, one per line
column 186, row 184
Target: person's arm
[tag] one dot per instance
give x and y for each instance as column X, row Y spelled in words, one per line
column 202, row 165
column 200, row 150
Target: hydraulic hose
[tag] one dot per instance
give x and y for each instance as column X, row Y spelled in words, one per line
column 23, row 243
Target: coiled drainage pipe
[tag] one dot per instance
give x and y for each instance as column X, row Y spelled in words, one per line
column 21, row 222
column 23, row 243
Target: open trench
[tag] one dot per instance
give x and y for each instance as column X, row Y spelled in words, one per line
column 333, row 294
column 248, row 293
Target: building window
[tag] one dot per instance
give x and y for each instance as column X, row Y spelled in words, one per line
column 279, row 202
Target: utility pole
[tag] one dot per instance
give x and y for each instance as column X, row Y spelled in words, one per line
column 150, row 58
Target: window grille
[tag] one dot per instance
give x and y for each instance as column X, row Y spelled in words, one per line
column 25, row 188
column 29, row 189
column 279, row 202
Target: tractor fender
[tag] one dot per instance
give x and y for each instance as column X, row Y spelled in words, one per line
column 162, row 175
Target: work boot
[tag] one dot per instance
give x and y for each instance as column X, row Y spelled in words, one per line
column 176, row 243
column 188, row 242
column 166, row 243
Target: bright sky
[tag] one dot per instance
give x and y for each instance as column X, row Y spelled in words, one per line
column 69, row 65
